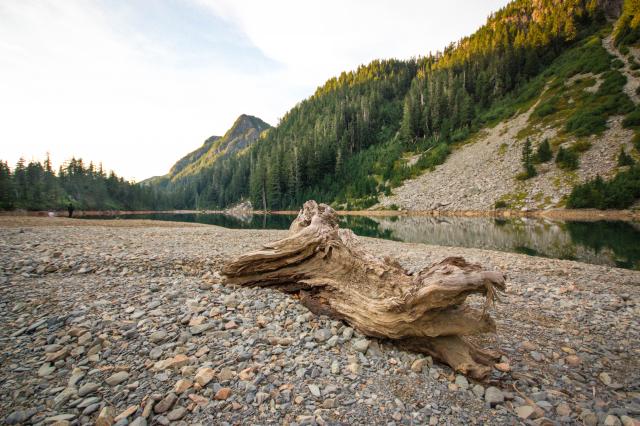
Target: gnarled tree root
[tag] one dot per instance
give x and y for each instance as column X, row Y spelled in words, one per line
column 424, row 312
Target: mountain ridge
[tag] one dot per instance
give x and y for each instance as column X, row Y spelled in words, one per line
column 347, row 144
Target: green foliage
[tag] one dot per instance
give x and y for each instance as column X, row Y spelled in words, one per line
column 433, row 157
column 346, row 143
column 636, row 141
column 617, row 64
column 619, row 193
column 609, row 100
column 500, row 204
column 624, row 159
column 627, row 30
column 567, row 159
column 547, row 108
column 632, row 120
column 35, row 186
column 544, row 153
column 527, row 162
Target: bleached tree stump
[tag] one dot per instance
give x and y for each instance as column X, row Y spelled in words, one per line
column 333, row 275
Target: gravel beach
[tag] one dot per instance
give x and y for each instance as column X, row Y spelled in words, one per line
column 126, row 322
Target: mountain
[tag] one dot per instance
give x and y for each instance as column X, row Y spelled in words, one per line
column 245, row 130
column 449, row 126
column 193, row 156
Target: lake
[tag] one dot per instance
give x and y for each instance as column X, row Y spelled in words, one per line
column 612, row 243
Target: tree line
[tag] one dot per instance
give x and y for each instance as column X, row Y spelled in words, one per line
column 347, row 142
column 37, row 186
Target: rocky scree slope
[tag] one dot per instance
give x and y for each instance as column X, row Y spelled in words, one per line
column 482, row 170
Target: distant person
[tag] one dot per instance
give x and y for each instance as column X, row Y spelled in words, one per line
column 70, row 209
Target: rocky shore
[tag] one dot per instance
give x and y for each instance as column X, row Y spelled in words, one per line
column 126, row 322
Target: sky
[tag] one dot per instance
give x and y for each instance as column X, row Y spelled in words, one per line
column 137, row 84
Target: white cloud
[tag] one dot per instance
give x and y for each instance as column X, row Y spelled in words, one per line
column 319, row 40
column 75, row 81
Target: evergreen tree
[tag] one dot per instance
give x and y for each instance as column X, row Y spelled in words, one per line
column 544, row 153
column 567, row 159
column 527, row 162
column 7, row 190
column 624, row 159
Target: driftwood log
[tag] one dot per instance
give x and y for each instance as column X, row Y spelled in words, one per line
column 334, row 276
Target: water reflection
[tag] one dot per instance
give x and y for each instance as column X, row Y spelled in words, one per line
column 613, row 243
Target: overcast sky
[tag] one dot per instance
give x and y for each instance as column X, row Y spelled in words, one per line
column 137, row 84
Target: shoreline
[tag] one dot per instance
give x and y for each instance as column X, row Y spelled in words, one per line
column 558, row 214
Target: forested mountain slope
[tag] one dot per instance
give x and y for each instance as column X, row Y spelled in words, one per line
column 189, row 179
column 580, row 118
column 365, row 132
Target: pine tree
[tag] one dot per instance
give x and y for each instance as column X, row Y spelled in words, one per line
column 544, row 153
column 7, row 191
column 625, row 159
column 527, row 162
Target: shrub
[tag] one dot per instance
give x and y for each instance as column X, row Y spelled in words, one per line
column 586, row 122
column 500, row 204
column 624, row 159
column 619, row 193
column 544, row 153
column 636, row 141
column 567, row 159
column 617, row 64
column 547, row 108
column 632, row 119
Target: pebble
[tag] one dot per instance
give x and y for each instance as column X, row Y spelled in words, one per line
column 165, row 404
column 361, row 345
column 88, row 388
column 524, row 411
column 105, row 418
column 176, row 414
column 315, row 390
column 223, row 394
column 264, row 357
column 117, row 378
column 322, row 335
column 204, row 376
column 493, row 396
column 461, row 382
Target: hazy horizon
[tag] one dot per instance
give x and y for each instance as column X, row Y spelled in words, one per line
column 136, row 86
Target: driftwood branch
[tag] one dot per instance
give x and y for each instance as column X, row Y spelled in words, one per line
column 424, row 312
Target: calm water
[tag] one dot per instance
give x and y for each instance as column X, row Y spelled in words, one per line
column 613, row 243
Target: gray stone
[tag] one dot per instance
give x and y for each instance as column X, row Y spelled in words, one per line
column 88, row 388
column 166, row 403
column 158, row 336
column 478, row 390
column 525, row 411
column 91, row 409
column 493, row 395
column 361, row 345
column 322, row 335
column 117, row 378
column 315, row 390
column 462, row 382
column 612, row 420
column 20, row 416
column 176, row 414
column 139, row 421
